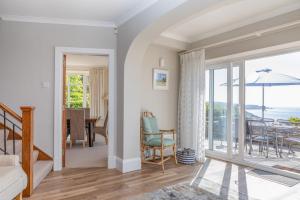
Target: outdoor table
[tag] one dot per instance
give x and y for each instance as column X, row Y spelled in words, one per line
column 281, row 132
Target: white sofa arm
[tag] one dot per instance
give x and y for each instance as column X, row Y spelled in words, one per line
column 9, row 160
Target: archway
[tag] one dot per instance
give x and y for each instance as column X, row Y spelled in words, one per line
column 134, row 37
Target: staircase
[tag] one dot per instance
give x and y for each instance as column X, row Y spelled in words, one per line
column 17, row 130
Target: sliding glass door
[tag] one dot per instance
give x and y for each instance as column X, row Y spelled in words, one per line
column 224, row 110
column 250, row 122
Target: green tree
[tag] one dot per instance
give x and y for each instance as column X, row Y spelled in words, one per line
column 76, row 91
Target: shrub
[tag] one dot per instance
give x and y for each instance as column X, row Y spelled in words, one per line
column 294, row 119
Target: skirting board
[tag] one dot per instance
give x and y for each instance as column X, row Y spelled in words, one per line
column 111, row 162
column 128, row 165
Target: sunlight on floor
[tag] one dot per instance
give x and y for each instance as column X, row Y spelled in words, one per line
column 79, row 157
column 225, row 179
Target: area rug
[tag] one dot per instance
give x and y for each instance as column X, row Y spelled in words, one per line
column 207, row 190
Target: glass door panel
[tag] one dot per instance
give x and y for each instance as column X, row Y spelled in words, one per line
column 223, row 108
column 236, row 105
column 219, row 107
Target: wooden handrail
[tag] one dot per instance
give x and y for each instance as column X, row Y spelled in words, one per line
column 11, row 112
column 27, row 137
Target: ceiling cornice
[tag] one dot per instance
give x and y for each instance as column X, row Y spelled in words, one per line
column 144, row 4
column 47, row 20
column 252, row 20
column 176, row 37
column 234, row 26
column 112, row 24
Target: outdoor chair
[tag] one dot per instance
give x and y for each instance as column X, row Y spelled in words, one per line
column 268, row 121
column 259, row 134
column 284, row 122
column 153, row 139
column 292, row 139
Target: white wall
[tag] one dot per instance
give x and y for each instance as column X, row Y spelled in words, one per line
column 163, row 103
column 27, row 59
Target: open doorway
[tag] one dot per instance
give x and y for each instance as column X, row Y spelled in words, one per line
column 59, row 144
column 85, row 111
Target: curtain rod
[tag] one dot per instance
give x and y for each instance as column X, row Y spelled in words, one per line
column 246, row 37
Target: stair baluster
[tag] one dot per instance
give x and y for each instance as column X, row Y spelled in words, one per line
column 4, row 115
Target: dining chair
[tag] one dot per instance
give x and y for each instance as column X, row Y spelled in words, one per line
column 153, row 139
column 284, row 122
column 103, row 130
column 259, row 133
column 87, row 112
column 293, row 138
column 268, row 120
column 77, row 126
column 68, row 122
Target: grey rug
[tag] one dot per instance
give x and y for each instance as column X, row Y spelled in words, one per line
column 283, row 180
column 184, row 191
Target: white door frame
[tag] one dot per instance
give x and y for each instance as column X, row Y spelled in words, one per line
column 57, row 147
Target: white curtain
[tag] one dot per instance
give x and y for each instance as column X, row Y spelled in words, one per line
column 191, row 103
column 98, row 91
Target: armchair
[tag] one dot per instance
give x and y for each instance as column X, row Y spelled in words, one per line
column 153, row 139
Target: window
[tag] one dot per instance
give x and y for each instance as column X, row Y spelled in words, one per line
column 78, row 93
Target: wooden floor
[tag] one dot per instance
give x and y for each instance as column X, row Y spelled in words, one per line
column 101, row 183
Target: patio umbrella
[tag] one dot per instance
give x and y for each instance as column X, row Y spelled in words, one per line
column 266, row 78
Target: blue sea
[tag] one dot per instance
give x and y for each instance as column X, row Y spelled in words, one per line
column 277, row 113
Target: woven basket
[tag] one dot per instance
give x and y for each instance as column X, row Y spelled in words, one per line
column 186, row 156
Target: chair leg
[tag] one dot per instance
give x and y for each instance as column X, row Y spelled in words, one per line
column 19, row 196
column 143, row 154
column 290, row 148
column 153, row 154
column 106, row 140
column 83, row 143
column 267, row 149
column 250, row 148
column 174, row 152
column 162, row 160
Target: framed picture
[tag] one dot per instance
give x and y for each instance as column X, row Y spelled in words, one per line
column 160, row 79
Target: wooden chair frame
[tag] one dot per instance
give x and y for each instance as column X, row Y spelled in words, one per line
column 102, row 130
column 157, row 159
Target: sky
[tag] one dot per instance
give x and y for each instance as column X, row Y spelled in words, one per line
column 279, row 96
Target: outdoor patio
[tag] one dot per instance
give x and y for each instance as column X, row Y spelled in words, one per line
column 289, row 162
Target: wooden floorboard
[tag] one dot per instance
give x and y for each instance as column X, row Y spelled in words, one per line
column 101, row 183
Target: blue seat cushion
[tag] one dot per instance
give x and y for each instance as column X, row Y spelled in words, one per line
column 293, row 139
column 156, row 142
column 263, row 138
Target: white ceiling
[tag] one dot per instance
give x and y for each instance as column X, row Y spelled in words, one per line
column 94, row 12
column 86, row 61
column 228, row 17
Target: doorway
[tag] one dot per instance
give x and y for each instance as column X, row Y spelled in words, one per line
column 85, row 133
column 59, row 97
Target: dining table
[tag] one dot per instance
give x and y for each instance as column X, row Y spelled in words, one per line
column 281, row 132
column 89, row 124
